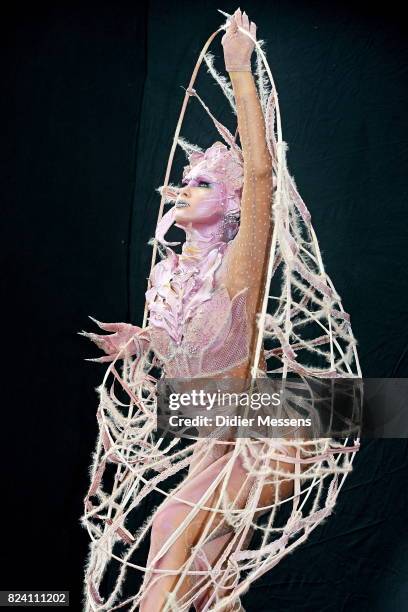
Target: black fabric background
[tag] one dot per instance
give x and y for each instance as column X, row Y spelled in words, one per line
column 98, row 96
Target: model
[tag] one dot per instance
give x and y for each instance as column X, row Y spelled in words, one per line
column 245, row 223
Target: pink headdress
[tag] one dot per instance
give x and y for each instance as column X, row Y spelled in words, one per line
column 225, row 165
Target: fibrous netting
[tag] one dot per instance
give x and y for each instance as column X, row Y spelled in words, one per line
column 242, row 533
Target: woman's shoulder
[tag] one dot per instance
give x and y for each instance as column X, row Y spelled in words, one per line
column 229, row 275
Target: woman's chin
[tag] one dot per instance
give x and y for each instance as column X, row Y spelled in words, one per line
column 182, row 217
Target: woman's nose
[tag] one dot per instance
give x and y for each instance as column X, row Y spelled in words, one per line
column 185, row 191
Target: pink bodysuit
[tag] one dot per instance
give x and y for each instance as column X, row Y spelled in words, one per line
column 195, row 328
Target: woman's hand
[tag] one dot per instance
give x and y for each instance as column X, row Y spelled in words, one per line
column 114, row 343
column 237, row 46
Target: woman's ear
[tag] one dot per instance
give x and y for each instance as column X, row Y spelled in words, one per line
column 230, row 226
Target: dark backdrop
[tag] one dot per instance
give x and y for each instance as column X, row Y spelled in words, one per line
column 98, row 96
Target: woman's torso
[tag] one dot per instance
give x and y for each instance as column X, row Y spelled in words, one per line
column 197, row 329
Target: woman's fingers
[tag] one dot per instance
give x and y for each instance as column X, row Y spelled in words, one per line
column 238, row 17
column 232, row 25
column 104, row 359
column 245, row 21
column 103, row 342
column 241, row 20
column 107, row 326
column 94, row 337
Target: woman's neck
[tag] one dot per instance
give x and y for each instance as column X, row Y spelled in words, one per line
column 200, row 240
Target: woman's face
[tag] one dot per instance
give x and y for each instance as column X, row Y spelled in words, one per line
column 200, row 200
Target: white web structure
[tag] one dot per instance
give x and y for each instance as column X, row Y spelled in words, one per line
column 307, row 334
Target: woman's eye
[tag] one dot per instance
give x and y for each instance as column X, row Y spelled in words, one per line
column 203, row 184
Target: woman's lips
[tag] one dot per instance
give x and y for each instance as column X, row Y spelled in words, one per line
column 182, row 204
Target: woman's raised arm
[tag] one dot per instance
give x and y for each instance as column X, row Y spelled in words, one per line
column 246, row 259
